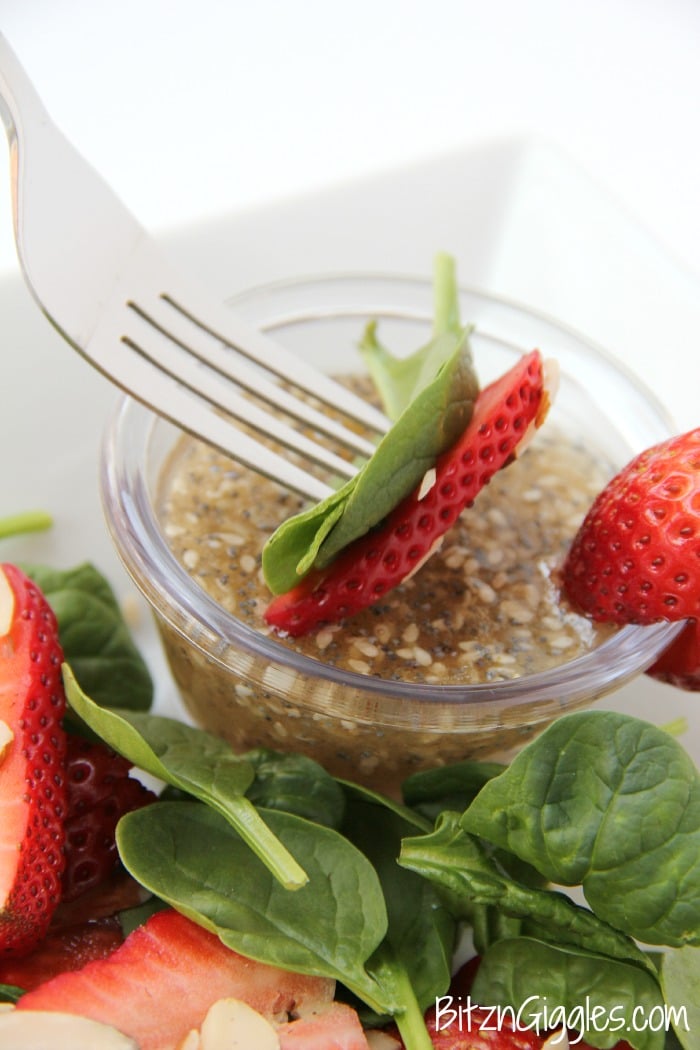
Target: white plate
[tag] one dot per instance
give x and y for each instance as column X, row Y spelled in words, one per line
column 520, row 219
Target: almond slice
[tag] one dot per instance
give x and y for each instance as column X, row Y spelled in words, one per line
column 38, row 1029
column 233, row 1025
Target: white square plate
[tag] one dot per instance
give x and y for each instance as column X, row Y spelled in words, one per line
column 521, row 221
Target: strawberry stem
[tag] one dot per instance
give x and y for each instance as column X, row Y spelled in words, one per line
column 27, row 521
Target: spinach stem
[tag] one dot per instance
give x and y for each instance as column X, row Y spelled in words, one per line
column 446, row 300
column 27, row 521
column 410, row 1021
column 242, row 814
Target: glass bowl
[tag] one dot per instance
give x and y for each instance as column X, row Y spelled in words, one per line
column 247, row 686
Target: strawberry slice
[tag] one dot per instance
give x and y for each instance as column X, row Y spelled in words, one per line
column 636, row 557
column 161, row 982
column 69, row 948
column 32, row 759
column 99, row 792
column 505, row 413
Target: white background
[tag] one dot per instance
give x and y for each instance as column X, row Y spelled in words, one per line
column 552, row 145
column 191, row 108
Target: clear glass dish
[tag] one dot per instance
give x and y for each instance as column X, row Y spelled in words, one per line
column 255, row 691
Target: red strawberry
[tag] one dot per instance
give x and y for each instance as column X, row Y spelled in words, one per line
column 69, row 948
column 32, row 759
column 504, row 414
column 160, row 983
column 99, row 792
column 636, row 558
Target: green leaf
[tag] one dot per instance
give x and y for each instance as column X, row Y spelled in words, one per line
column 570, row 984
column 94, row 636
column 194, row 761
column 680, row 981
column 190, row 857
column 295, row 784
column 10, row 993
column 470, row 879
column 421, row 933
column 444, row 388
column 610, row 802
column 452, row 787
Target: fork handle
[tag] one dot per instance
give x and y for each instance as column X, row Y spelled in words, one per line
column 19, row 102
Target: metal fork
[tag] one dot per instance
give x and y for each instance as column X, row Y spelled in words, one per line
column 108, row 289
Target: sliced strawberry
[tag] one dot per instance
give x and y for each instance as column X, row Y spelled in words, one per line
column 636, row 557
column 69, row 948
column 504, row 414
column 99, row 792
column 32, row 760
column 160, row 983
column 335, row 1028
column 679, row 665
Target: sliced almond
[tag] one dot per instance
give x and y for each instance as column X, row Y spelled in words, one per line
column 381, row 1041
column 233, row 1025
column 7, row 605
column 6, row 738
column 558, row 1040
column 39, row 1029
column 191, row 1041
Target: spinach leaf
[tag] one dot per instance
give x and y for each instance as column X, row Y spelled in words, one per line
column 362, row 793
column 445, row 388
column 190, row 857
column 453, row 787
column 94, row 636
column 680, row 981
column 610, row 802
column 194, row 761
column 532, row 977
column 295, row 784
column 10, row 993
column 421, row 933
column 470, row 879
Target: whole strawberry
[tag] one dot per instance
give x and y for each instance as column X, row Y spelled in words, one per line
column 32, row 760
column 636, row 558
column 99, row 792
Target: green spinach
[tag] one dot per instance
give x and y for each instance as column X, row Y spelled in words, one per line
column 599, row 995
column 94, row 636
column 194, row 761
column 442, row 386
column 190, row 857
column 471, row 879
column 610, row 802
column 680, row 980
column 295, row 784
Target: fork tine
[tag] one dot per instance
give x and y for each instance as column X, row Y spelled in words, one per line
column 176, row 403
column 229, row 328
column 198, row 342
column 177, row 362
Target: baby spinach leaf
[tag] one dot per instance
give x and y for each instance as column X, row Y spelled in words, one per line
column 451, row 787
column 94, row 636
column 194, row 761
column 10, row 993
column 444, row 388
column 530, row 976
column 680, row 981
column 362, row 793
column 610, row 802
column 190, row 857
column 421, row 932
column 470, row 879
column 296, row 784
